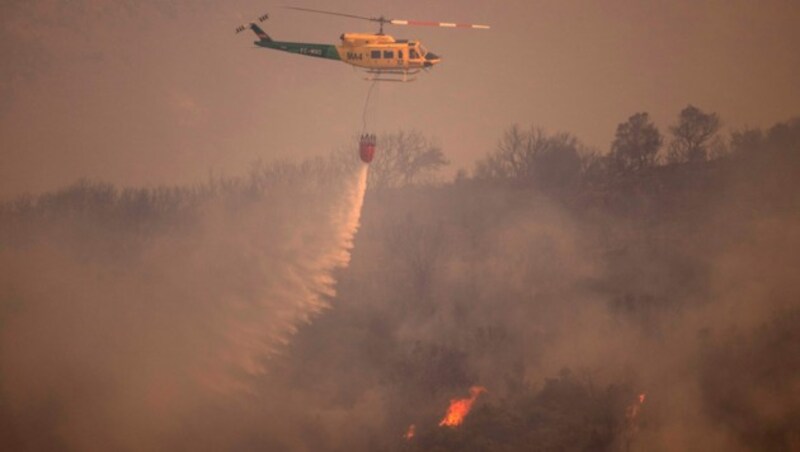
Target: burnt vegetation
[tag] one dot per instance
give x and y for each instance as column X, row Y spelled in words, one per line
column 565, row 280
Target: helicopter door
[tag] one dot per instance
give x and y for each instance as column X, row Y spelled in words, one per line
column 388, row 56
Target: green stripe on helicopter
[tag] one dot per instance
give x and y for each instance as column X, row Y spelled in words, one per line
column 317, row 50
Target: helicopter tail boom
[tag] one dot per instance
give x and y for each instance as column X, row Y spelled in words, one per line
column 260, row 33
column 326, row 51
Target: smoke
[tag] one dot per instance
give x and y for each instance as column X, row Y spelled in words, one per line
column 119, row 333
column 181, row 319
column 301, row 274
column 566, row 312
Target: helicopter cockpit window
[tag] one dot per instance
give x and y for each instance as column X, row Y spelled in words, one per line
column 412, row 54
column 375, row 54
column 388, row 54
column 423, row 50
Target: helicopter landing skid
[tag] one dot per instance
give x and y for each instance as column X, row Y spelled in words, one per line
column 391, row 75
column 401, row 80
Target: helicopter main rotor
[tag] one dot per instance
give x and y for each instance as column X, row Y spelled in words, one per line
column 383, row 20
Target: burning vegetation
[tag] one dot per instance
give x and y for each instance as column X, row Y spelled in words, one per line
column 410, row 432
column 563, row 280
column 459, row 408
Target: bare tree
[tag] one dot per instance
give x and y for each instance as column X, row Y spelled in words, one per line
column 405, row 158
column 636, row 144
column 533, row 158
column 693, row 135
column 513, row 157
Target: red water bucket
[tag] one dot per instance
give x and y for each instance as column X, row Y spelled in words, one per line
column 366, row 148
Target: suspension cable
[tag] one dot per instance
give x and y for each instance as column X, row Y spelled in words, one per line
column 366, row 105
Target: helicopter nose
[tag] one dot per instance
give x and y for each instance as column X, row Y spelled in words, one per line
column 431, row 59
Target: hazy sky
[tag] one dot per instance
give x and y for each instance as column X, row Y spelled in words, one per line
column 137, row 93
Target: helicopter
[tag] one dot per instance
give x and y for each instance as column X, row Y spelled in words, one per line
column 383, row 57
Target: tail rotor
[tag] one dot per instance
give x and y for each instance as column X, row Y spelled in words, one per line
column 244, row 27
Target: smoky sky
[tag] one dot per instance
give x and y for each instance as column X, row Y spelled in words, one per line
column 148, row 93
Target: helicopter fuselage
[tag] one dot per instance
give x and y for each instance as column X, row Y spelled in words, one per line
column 378, row 52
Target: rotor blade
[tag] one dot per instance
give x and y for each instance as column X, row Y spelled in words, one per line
column 424, row 23
column 244, row 27
column 353, row 16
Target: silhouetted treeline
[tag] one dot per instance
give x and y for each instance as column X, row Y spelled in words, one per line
column 566, row 281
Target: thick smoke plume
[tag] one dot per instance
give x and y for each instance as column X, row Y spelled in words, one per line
column 119, row 330
column 178, row 319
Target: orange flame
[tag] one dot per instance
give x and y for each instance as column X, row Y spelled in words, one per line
column 412, row 430
column 634, row 408
column 459, row 408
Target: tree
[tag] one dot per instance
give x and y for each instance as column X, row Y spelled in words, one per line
column 401, row 158
column 692, row 135
column 533, row 158
column 745, row 141
column 636, row 144
column 405, row 158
